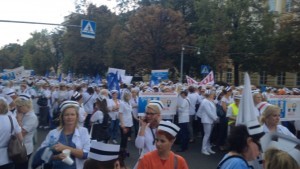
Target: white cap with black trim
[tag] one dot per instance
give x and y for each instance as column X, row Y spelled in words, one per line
column 282, row 142
column 169, row 127
column 157, row 103
column 67, row 104
column 25, row 96
column 103, row 152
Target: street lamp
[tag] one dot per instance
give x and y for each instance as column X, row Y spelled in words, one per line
column 182, row 55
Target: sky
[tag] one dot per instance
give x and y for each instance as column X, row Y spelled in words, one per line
column 47, row 11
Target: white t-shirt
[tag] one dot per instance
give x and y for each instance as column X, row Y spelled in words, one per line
column 97, row 117
column 30, row 123
column 125, row 110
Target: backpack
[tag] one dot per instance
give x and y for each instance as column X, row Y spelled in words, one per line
column 42, row 101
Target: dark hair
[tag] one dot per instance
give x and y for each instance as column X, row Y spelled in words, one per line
column 184, row 92
column 237, row 138
column 76, row 99
column 191, row 89
column 90, row 90
column 164, row 133
column 102, row 105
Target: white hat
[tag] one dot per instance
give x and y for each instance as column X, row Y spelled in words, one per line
column 10, row 92
column 246, row 115
column 237, row 97
column 262, row 106
column 156, row 103
column 114, row 91
column 76, row 95
column 169, row 127
column 227, row 88
column 67, row 104
column 103, row 152
column 282, row 142
column 254, row 129
column 25, row 96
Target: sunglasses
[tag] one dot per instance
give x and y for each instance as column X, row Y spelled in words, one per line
column 150, row 114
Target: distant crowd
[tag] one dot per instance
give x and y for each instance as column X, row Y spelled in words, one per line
column 95, row 124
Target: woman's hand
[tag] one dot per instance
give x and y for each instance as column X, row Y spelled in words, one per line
column 60, row 156
column 60, row 147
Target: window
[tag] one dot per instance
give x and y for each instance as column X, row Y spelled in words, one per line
column 263, row 78
column 298, row 79
column 229, row 76
column 272, row 5
column 288, row 6
column 281, row 78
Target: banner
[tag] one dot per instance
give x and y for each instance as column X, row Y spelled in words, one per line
column 208, row 80
column 121, row 72
column 126, row 79
column 289, row 105
column 16, row 73
column 158, row 75
column 168, row 99
column 190, row 81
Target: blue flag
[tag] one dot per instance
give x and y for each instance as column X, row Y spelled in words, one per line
column 113, row 81
column 69, row 77
column 59, row 77
column 47, row 74
column 98, row 79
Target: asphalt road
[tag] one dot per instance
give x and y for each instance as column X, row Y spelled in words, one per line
column 193, row 155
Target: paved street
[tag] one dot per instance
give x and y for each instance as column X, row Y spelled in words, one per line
column 193, row 156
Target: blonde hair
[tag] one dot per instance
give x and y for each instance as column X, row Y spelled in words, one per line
column 154, row 107
column 278, row 159
column 61, row 115
column 270, row 110
column 3, row 107
column 22, row 102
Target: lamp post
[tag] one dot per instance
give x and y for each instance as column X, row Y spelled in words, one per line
column 182, row 57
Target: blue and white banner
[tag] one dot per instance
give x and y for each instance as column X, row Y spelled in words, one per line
column 158, row 75
column 168, row 99
column 289, row 106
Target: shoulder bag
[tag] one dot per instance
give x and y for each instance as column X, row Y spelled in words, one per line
column 16, row 150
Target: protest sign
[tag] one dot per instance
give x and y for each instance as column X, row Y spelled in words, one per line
column 168, row 99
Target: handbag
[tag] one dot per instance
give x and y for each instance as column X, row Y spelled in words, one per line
column 16, row 150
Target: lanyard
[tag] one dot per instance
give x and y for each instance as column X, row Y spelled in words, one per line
column 153, row 136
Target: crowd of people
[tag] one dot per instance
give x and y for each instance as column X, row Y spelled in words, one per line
column 95, row 124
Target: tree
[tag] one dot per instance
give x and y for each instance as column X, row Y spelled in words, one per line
column 153, row 37
column 37, row 52
column 83, row 55
column 11, row 56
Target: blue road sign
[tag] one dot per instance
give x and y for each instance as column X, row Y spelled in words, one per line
column 88, row 29
column 204, row 69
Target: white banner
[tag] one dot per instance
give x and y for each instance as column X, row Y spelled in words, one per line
column 126, row 79
column 168, row 99
column 121, row 72
column 289, row 105
column 208, row 80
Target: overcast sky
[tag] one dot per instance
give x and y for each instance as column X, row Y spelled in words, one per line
column 48, row 11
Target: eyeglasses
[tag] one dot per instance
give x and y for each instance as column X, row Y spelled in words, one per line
column 150, row 114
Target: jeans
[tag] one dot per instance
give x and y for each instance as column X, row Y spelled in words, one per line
column 113, row 129
column 184, row 135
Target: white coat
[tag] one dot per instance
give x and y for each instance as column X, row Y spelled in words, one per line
column 81, row 139
column 207, row 112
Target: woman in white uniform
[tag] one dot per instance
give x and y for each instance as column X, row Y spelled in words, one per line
column 126, row 122
column 270, row 119
column 208, row 114
column 145, row 139
column 5, row 133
